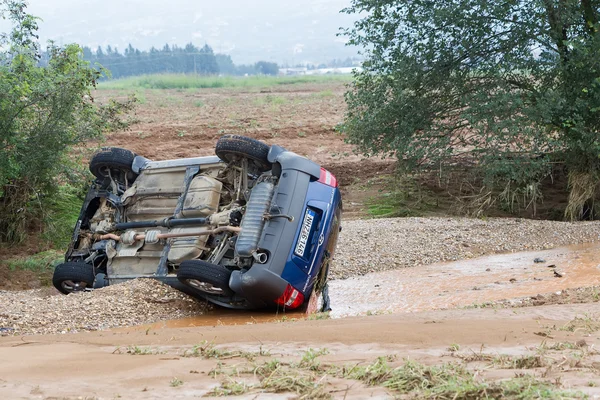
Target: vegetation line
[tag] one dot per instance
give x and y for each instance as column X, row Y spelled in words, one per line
column 192, row 81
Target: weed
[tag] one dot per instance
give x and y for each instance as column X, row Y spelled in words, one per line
column 230, row 387
column 266, row 368
column 301, row 134
column 447, row 381
column 585, row 323
column 520, row 362
column 543, row 347
column 175, row 382
column 309, row 359
column 61, row 211
column 403, row 197
column 181, row 133
column 325, row 93
column 39, row 263
column 273, row 101
column 208, row 350
column 137, row 351
column 504, row 361
column 198, row 103
column 308, row 385
column 453, row 347
column 319, row 316
column 140, row 97
column 377, row 312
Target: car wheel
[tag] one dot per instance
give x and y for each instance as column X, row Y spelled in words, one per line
column 205, row 277
column 72, row 277
column 113, row 160
column 232, row 147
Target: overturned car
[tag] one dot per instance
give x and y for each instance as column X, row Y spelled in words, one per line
column 254, row 227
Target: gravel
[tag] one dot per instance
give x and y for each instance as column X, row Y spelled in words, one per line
column 383, row 244
column 364, row 246
column 140, row 301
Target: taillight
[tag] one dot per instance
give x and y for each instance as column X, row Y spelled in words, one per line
column 328, row 178
column 291, row 298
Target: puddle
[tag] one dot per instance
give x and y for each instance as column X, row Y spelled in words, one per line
column 467, row 282
column 221, row 316
column 435, row 286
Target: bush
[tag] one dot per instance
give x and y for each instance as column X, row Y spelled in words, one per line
column 510, row 87
column 45, row 110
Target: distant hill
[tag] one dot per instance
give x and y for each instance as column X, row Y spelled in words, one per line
column 283, row 31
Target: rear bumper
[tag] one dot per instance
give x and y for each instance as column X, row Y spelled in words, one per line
column 262, row 284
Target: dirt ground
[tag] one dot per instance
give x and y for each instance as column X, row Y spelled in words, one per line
column 497, row 327
column 554, row 343
column 302, row 118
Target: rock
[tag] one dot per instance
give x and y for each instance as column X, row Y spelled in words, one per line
column 558, row 274
column 512, row 280
column 539, row 260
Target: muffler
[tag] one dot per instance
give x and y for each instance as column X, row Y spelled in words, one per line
column 253, row 222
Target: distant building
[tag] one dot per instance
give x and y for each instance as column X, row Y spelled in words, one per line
column 317, row 71
column 293, row 71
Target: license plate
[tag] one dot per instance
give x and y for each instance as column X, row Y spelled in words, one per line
column 309, row 218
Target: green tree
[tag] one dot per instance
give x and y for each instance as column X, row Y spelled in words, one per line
column 509, row 85
column 44, row 111
column 266, row 68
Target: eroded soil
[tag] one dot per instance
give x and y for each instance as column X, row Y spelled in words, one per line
column 163, row 362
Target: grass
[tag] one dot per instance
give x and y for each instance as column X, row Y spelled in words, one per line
column 39, row 263
column 503, row 361
column 305, row 378
column 401, row 196
column 309, row 378
column 325, row 93
column 449, row 381
column 270, row 100
column 310, row 359
column 230, row 387
column 208, row 350
column 60, row 214
column 190, row 81
column 175, row 382
column 585, row 323
column 141, row 351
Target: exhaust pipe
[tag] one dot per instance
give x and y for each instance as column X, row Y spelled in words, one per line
column 260, row 258
column 254, row 219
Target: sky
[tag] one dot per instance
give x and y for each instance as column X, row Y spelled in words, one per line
column 283, row 31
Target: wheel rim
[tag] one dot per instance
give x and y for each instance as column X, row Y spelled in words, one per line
column 73, row 286
column 204, row 286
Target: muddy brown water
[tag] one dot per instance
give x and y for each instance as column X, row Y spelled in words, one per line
column 467, row 282
column 436, row 286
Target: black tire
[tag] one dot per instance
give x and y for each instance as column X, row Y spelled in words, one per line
column 206, row 277
column 231, row 147
column 116, row 160
column 73, row 276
